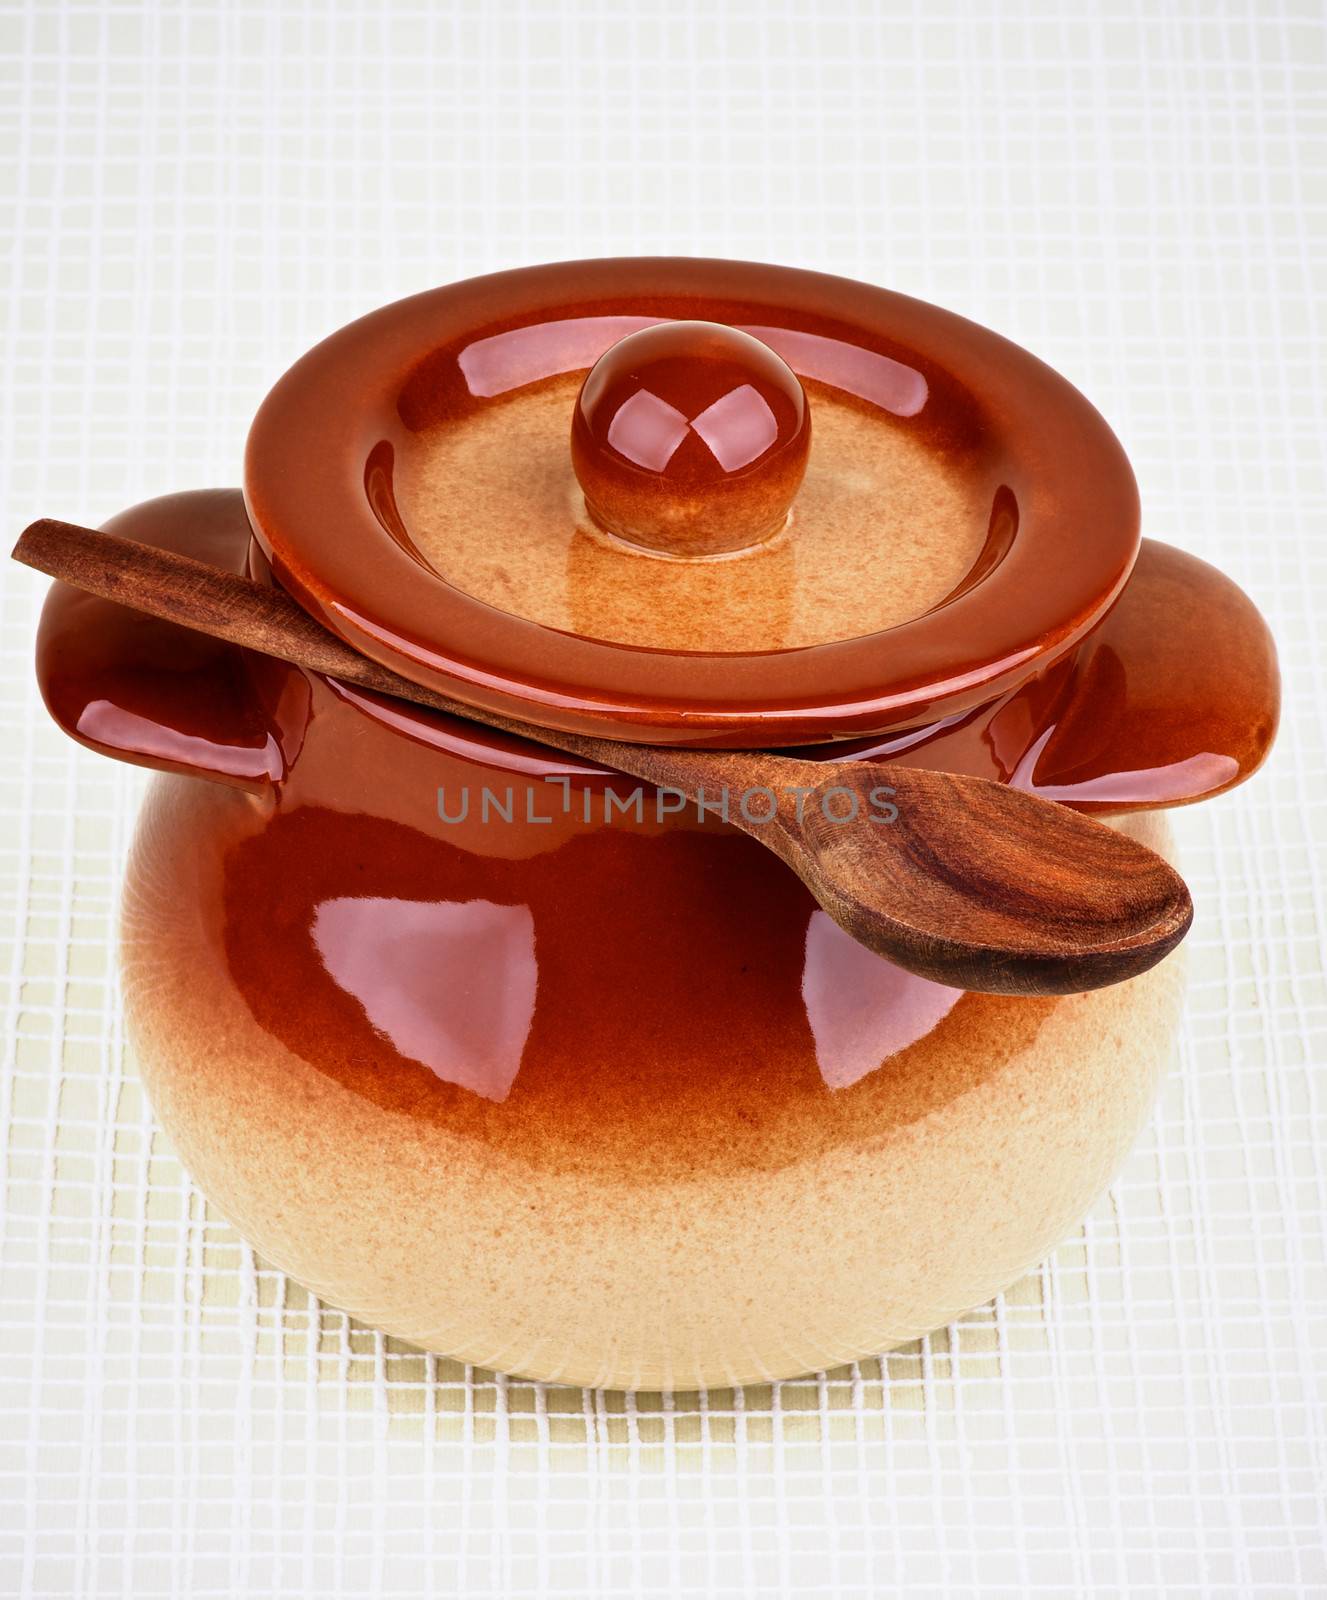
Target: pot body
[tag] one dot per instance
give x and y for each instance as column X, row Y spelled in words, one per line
column 489, row 1049
column 604, row 1100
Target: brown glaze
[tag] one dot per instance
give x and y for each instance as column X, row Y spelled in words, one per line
column 1060, row 507
column 523, row 1000
column 1175, row 697
column 691, row 439
column 1128, row 721
column 125, row 685
column 955, row 879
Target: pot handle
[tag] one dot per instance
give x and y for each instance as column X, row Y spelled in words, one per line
column 1175, row 697
column 158, row 695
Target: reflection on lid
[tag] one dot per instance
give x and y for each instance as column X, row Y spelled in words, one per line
column 737, row 429
column 505, row 361
column 450, row 983
column 878, row 379
column 647, row 431
column 509, row 360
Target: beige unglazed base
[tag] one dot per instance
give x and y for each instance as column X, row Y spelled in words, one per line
column 885, row 1212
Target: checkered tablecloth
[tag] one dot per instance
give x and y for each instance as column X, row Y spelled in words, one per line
column 194, row 193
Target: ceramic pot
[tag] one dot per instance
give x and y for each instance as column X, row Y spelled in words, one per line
column 484, row 1046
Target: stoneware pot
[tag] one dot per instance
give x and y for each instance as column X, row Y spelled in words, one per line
column 473, row 1038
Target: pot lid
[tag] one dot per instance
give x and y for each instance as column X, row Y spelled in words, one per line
column 688, row 501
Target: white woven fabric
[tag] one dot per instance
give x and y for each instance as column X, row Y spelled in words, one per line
column 193, row 193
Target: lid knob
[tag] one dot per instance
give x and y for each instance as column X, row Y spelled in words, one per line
column 690, row 439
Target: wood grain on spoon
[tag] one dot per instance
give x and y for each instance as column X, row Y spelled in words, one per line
column 973, row 884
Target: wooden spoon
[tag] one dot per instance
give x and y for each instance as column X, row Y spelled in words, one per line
column 971, row 883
